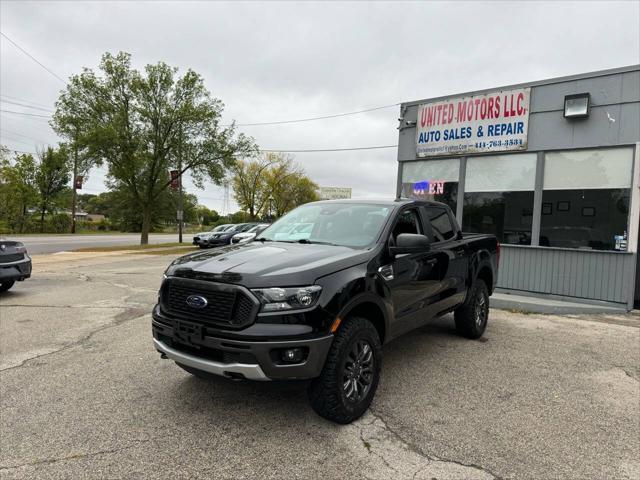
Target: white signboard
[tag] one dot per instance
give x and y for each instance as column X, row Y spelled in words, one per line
column 493, row 122
column 334, row 193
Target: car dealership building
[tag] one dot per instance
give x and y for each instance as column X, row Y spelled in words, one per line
column 552, row 168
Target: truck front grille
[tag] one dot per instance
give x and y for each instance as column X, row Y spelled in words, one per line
column 226, row 305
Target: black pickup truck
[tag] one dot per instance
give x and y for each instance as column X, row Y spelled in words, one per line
column 320, row 306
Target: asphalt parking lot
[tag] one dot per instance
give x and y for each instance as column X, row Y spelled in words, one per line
column 83, row 394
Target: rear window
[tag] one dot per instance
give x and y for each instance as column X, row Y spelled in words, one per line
column 441, row 225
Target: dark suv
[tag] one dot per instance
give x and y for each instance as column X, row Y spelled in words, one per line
column 316, row 295
column 15, row 264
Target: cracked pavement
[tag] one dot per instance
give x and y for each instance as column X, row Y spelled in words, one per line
column 83, row 394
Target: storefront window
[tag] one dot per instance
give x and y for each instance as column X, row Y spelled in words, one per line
column 585, row 201
column 432, row 180
column 498, row 196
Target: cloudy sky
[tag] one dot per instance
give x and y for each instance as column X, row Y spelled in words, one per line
column 273, row 61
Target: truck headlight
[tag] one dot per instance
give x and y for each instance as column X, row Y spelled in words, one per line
column 295, row 298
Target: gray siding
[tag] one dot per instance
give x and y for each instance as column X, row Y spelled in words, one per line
column 586, row 274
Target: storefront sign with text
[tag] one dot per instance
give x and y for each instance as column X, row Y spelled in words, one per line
column 492, row 122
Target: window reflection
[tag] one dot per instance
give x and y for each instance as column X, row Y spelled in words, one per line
column 588, row 219
column 507, row 215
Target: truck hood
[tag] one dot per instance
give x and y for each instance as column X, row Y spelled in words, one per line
column 270, row 264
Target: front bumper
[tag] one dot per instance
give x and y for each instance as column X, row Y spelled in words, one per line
column 19, row 270
column 215, row 242
column 238, row 358
column 249, row 371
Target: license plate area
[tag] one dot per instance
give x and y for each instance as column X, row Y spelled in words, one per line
column 187, row 332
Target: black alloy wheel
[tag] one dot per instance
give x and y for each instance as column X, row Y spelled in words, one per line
column 345, row 388
column 357, row 374
column 473, row 315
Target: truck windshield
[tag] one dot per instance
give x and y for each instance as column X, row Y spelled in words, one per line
column 344, row 224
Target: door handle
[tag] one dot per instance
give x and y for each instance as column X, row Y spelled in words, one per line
column 432, row 261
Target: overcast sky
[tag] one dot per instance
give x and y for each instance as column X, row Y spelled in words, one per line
column 271, row 61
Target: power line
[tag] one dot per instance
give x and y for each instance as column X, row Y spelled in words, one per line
column 280, row 122
column 328, row 149
column 25, row 113
column 26, row 106
column 24, row 142
column 32, row 58
column 16, row 99
column 23, row 136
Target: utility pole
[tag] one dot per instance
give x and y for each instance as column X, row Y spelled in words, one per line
column 75, row 174
column 180, row 202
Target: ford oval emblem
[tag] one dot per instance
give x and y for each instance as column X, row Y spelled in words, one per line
column 197, row 301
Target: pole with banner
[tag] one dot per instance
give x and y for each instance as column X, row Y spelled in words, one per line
column 176, row 184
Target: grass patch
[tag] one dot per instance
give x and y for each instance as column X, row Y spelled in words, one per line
column 120, row 248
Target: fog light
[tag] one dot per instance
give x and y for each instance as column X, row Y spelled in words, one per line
column 292, row 355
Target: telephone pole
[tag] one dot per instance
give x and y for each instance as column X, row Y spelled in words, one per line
column 180, row 201
column 75, row 175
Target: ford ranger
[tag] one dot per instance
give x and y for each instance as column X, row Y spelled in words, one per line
column 320, row 306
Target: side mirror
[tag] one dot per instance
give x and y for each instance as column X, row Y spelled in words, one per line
column 410, row 243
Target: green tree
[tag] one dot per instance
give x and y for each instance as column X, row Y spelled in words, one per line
column 288, row 186
column 144, row 124
column 272, row 185
column 51, row 177
column 250, row 188
column 206, row 216
column 18, row 190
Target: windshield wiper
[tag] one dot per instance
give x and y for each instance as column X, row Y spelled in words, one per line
column 307, row 241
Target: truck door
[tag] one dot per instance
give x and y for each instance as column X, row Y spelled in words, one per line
column 411, row 278
column 452, row 258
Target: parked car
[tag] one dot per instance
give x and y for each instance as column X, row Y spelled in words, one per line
column 199, row 236
column 321, row 308
column 250, row 234
column 219, row 239
column 15, row 264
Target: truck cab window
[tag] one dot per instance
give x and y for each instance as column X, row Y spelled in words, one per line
column 440, row 224
column 407, row 223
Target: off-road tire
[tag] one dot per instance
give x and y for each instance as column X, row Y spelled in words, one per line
column 4, row 286
column 472, row 316
column 327, row 392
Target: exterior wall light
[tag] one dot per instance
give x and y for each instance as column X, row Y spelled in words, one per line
column 576, row 106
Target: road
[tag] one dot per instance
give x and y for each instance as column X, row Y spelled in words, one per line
column 84, row 395
column 37, row 244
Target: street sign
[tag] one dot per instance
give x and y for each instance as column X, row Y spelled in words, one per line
column 180, row 215
column 77, row 184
